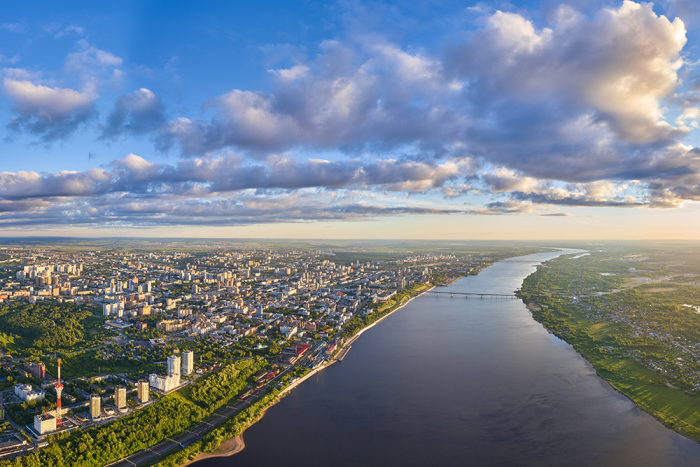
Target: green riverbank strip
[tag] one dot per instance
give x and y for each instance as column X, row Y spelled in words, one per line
column 613, row 326
column 232, row 428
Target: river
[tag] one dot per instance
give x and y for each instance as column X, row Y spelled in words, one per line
column 454, row 382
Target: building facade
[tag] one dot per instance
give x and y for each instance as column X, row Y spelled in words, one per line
column 95, row 406
column 174, row 365
column 187, row 362
column 44, row 423
column 27, row 393
column 164, row 383
column 120, row 397
column 143, row 391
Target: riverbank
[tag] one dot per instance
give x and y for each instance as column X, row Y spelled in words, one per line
column 612, row 349
column 227, row 448
column 348, row 343
column 236, row 444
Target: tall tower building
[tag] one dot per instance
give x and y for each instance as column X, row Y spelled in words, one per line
column 143, row 391
column 95, row 406
column 59, row 391
column 187, row 362
column 173, row 365
column 120, row 397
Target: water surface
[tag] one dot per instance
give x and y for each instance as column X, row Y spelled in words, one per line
column 453, row 382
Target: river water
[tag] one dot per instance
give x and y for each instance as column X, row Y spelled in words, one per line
column 454, row 382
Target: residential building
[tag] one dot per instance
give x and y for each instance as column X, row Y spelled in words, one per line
column 164, row 383
column 27, row 393
column 143, row 391
column 187, row 362
column 174, row 365
column 95, row 406
column 120, row 397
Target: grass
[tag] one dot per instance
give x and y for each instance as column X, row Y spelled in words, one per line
column 675, row 408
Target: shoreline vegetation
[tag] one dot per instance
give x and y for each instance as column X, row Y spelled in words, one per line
column 617, row 355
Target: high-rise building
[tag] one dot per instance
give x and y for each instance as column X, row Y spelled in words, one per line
column 143, row 391
column 95, row 406
column 164, row 383
column 187, row 362
column 120, row 397
column 173, row 365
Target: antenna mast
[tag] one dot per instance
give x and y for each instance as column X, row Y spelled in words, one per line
column 59, row 390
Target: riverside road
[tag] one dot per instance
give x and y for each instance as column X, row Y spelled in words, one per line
column 153, row 453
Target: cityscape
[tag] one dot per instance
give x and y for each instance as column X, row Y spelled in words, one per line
column 353, row 233
column 296, row 309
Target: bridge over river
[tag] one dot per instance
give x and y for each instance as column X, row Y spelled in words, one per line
column 473, row 294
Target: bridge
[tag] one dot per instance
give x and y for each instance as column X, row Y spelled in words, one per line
column 494, row 261
column 473, row 294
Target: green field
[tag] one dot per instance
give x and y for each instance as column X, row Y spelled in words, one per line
column 639, row 336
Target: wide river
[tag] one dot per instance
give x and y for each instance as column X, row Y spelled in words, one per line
column 459, row 382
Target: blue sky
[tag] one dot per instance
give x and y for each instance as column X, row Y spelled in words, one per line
column 444, row 119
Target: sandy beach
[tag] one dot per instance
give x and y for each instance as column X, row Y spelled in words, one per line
column 225, row 449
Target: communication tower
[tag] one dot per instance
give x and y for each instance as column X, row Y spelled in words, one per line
column 59, row 390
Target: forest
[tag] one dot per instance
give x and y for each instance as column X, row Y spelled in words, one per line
column 215, row 389
column 47, row 327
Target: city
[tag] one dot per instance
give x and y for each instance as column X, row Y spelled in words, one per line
column 352, row 233
column 155, row 323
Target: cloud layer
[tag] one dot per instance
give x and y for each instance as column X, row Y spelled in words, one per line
column 519, row 114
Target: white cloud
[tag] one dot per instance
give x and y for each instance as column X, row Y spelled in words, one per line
column 49, row 112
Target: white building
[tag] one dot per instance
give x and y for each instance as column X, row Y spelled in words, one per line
column 187, row 362
column 164, row 383
column 113, row 309
column 27, row 393
column 174, row 365
column 44, row 423
column 172, row 380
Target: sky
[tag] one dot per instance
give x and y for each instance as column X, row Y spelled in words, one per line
column 437, row 119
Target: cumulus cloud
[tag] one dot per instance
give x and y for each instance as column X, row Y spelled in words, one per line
column 232, row 189
column 134, row 114
column 113, row 198
column 580, row 101
column 49, row 112
column 52, row 112
column 353, row 94
column 88, row 60
column 210, row 176
column 587, row 110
